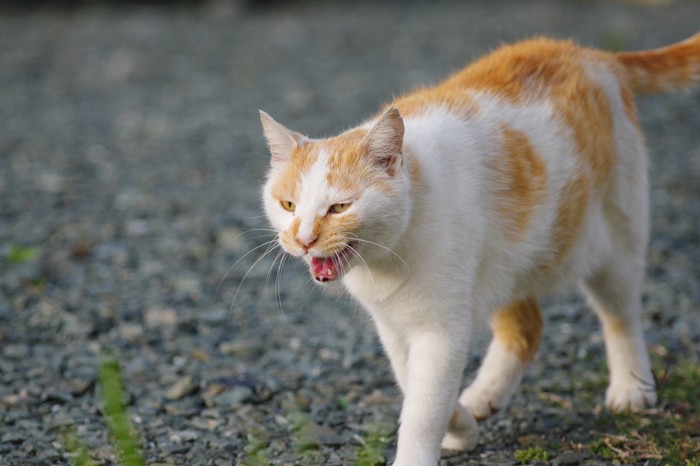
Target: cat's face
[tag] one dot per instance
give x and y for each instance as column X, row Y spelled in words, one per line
column 339, row 202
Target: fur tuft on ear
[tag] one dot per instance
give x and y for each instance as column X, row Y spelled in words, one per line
column 385, row 141
column 280, row 140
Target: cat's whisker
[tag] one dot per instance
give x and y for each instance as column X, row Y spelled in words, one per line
column 262, row 236
column 379, row 245
column 272, row 265
column 267, row 243
column 270, row 247
column 343, row 263
column 359, row 257
column 278, row 287
column 337, row 265
column 270, row 231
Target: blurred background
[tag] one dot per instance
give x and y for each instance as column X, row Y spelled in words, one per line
column 131, row 163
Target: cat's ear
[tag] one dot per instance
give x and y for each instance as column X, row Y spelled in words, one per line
column 384, row 141
column 280, row 140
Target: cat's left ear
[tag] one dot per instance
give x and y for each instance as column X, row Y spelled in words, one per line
column 385, row 141
column 280, row 140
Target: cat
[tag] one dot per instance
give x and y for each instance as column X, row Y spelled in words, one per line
column 523, row 174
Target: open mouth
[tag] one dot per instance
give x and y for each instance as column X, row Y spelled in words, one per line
column 326, row 269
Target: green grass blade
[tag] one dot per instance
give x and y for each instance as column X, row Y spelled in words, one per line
column 127, row 445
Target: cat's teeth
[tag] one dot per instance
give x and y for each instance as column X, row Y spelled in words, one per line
column 330, row 272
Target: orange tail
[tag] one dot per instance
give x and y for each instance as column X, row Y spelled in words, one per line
column 670, row 68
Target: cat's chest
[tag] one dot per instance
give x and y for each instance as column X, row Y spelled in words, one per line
column 374, row 287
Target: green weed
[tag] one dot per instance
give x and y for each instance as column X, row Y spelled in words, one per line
column 127, row 445
column 122, row 434
column 531, row 454
column 374, row 443
column 78, row 452
column 19, row 254
column 305, row 441
column 255, row 449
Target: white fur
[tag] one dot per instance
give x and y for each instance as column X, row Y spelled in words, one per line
column 455, row 266
column 314, row 191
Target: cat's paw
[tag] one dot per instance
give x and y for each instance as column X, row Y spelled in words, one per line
column 630, row 395
column 483, row 402
column 462, row 432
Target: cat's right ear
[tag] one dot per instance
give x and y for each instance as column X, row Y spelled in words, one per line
column 385, row 141
column 280, row 140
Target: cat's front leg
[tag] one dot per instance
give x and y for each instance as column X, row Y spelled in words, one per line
column 396, row 348
column 436, row 359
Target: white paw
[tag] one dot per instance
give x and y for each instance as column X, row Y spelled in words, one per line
column 630, row 394
column 483, row 402
column 462, row 432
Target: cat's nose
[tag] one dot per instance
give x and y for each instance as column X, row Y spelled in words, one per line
column 306, row 241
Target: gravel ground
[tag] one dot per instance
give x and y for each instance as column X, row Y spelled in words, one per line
column 131, row 161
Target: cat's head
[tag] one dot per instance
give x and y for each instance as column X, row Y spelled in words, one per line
column 339, row 202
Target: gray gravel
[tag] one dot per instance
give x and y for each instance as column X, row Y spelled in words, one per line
column 131, row 161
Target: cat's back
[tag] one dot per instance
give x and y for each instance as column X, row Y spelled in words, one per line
column 527, row 70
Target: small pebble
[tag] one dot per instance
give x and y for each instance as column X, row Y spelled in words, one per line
column 183, row 387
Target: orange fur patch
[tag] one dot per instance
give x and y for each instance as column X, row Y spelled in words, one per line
column 350, row 169
column 586, row 110
column 521, row 177
column 518, row 327
column 527, row 70
column 573, row 206
column 300, row 161
column 333, row 232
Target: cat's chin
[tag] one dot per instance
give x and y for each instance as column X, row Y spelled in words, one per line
column 331, row 268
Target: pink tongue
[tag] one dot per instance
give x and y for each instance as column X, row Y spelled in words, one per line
column 323, row 268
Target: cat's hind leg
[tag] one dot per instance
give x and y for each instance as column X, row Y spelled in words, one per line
column 517, row 329
column 614, row 293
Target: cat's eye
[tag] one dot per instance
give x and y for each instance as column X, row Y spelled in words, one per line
column 288, row 205
column 339, row 208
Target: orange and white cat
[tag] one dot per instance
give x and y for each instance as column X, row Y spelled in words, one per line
column 523, row 173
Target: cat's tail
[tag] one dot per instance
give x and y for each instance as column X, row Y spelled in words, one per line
column 666, row 69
